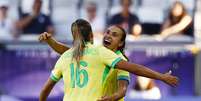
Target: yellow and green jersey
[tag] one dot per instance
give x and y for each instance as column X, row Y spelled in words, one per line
column 111, row 76
column 84, row 83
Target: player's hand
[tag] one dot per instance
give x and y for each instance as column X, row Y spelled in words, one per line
column 169, row 79
column 44, row 36
column 105, row 98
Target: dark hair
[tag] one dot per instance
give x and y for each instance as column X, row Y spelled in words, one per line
column 123, row 39
column 81, row 30
column 173, row 20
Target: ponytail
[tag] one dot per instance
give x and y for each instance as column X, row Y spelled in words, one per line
column 81, row 30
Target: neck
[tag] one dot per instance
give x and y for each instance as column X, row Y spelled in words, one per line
column 125, row 13
column 115, row 49
column 91, row 17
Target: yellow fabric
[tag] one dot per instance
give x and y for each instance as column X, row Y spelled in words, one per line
column 110, row 85
column 84, row 83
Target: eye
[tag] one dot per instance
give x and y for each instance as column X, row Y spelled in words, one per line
column 114, row 34
column 108, row 31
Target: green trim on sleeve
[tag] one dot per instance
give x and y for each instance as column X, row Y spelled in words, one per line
column 115, row 62
column 123, row 77
column 105, row 73
column 54, row 78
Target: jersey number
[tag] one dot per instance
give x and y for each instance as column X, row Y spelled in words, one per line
column 79, row 77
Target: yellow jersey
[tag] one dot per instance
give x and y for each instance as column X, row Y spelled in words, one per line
column 110, row 84
column 84, row 83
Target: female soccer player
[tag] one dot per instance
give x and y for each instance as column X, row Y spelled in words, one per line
column 115, row 83
column 81, row 67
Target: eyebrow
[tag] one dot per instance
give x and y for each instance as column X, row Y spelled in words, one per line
column 114, row 32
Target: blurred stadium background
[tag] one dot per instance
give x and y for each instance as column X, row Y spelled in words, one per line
column 25, row 64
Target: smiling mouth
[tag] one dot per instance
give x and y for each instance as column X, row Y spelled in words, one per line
column 107, row 42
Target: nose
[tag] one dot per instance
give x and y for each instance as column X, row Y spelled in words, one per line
column 109, row 35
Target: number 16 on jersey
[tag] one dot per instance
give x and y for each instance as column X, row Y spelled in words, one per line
column 79, row 77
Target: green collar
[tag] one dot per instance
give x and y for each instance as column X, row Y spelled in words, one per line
column 118, row 52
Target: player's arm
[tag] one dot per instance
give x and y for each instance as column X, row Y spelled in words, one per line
column 123, row 80
column 122, row 88
column 47, row 89
column 110, row 58
column 55, row 45
column 22, row 23
column 146, row 72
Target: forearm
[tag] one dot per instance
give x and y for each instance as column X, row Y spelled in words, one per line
column 44, row 95
column 139, row 70
column 172, row 30
column 24, row 22
column 57, row 46
column 122, row 88
column 46, row 90
column 177, row 27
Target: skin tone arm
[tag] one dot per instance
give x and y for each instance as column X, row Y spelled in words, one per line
column 57, row 46
column 146, row 72
column 46, row 90
column 122, row 88
column 24, row 22
column 177, row 27
column 61, row 48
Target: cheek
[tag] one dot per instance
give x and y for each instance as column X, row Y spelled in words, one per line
column 116, row 42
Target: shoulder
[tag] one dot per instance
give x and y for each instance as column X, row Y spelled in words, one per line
column 133, row 16
column 122, row 56
column 116, row 15
column 67, row 54
column 45, row 16
column 25, row 15
column 187, row 17
column 98, row 48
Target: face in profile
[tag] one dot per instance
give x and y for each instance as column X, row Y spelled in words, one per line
column 112, row 38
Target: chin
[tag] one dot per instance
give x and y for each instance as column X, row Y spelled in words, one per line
column 107, row 46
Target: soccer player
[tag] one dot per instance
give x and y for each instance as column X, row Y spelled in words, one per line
column 115, row 83
column 82, row 67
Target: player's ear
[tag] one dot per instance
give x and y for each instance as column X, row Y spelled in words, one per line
column 121, row 44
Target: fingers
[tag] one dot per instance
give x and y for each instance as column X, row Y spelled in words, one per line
column 44, row 36
column 171, row 80
column 174, row 81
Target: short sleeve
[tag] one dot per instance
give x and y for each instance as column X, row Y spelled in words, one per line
column 48, row 21
column 56, row 74
column 108, row 57
column 121, row 74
